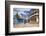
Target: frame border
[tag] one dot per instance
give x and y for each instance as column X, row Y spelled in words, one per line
column 7, row 3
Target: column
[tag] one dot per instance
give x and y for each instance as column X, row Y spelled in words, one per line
column 37, row 19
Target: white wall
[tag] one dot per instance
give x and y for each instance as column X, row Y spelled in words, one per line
column 2, row 17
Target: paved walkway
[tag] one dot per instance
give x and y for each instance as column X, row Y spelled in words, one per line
column 26, row 25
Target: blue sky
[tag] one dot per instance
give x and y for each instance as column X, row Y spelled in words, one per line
column 22, row 11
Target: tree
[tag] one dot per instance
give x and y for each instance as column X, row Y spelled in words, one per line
column 17, row 16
